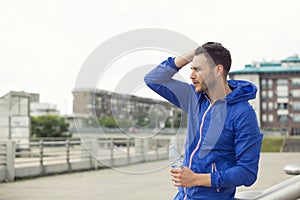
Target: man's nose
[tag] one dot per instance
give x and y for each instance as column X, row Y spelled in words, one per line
column 192, row 76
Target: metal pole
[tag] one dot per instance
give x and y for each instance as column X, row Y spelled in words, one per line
column 287, row 190
column 42, row 156
column 128, row 149
column 111, row 148
column 68, row 154
column 156, row 148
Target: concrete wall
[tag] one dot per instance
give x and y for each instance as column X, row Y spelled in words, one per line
column 7, row 158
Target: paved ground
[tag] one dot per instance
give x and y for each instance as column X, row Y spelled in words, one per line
column 150, row 181
column 271, row 169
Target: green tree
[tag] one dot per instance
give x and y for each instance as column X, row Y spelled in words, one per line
column 111, row 122
column 49, row 126
column 108, row 122
column 143, row 120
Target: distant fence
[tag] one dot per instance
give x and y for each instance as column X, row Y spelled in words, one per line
column 7, row 155
column 47, row 156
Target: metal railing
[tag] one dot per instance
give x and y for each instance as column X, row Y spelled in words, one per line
column 44, row 152
column 287, row 190
column 51, row 156
column 49, row 151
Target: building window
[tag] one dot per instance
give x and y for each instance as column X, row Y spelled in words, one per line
column 296, row 81
column 114, row 101
column 264, row 117
column 296, row 105
column 295, row 131
column 264, row 106
column 271, row 118
column 270, row 94
column 282, row 106
column 296, row 93
column 282, row 82
column 270, row 83
column 90, row 105
column 282, row 118
column 264, row 94
column 270, row 106
column 282, row 91
column 91, row 99
column 296, row 117
column 263, row 83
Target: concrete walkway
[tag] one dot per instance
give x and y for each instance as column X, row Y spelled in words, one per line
column 147, row 181
column 101, row 184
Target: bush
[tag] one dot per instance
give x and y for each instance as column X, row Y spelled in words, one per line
column 272, row 144
column 48, row 126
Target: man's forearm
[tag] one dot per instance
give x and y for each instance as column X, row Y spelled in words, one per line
column 183, row 60
column 203, row 180
column 187, row 178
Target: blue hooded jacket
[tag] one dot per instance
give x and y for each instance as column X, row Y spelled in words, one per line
column 223, row 137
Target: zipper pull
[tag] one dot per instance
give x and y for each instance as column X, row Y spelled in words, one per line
column 213, row 170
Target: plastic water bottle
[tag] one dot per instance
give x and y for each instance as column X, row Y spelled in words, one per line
column 175, row 157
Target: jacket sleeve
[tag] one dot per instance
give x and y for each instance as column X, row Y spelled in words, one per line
column 161, row 81
column 247, row 143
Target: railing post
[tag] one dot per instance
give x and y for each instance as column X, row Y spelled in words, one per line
column 111, row 152
column 41, row 156
column 94, row 151
column 128, row 150
column 156, row 149
column 10, row 160
column 143, row 150
column 68, row 154
column 167, row 148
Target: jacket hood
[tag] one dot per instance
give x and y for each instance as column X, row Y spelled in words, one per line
column 241, row 91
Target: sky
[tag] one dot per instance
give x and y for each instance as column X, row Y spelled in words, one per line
column 44, row 43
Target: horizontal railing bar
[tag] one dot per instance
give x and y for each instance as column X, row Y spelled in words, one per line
column 44, row 151
column 289, row 189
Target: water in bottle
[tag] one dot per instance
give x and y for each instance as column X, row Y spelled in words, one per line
column 175, row 157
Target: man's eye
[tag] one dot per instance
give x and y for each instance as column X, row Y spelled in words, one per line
column 197, row 69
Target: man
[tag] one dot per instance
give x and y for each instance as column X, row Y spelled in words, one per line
column 223, row 139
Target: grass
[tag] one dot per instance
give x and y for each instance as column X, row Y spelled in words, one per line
column 272, row 144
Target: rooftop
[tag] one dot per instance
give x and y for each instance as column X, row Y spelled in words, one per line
column 288, row 65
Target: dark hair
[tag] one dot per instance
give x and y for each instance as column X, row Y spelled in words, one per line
column 217, row 53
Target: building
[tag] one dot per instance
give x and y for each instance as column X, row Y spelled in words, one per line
column 41, row 109
column 100, row 103
column 15, row 117
column 278, row 99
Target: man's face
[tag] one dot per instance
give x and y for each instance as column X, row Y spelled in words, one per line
column 203, row 76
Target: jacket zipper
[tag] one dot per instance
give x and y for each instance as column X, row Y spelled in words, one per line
column 198, row 144
column 213, row 170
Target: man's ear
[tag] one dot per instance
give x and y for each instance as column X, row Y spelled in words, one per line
column 220, row 70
